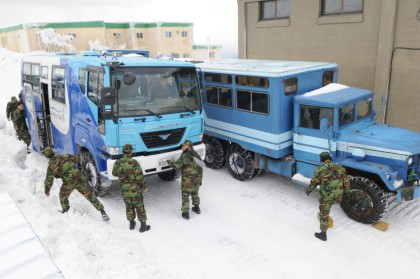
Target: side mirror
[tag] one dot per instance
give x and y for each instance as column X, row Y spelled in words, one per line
column 129, row 78
column 108, row 114
column 108, row 95
column 324, row 124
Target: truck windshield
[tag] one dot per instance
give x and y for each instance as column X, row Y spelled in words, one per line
column 157, row 90
column 364, row 108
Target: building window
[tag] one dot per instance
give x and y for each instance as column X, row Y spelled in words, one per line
column 139, row 35
column 186, row 55
column 58, row 84
column 274, row 9
column 212, row 54
column 290, row 86
column 337, row 7
column 184, row 34
column 219, row 96
column 168, row 34
column 252, row 101
column 117, row 36
column 73, row 36
column 175, row 55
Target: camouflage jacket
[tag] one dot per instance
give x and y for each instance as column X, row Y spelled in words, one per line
column 332, row 179
column 10, row 109
column 20, row 120
column 192, row 173
column 63, row 166
column 130, row 175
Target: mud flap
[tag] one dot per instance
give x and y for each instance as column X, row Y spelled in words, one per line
column 381, row 226
column 408, row 193
column 330, row 221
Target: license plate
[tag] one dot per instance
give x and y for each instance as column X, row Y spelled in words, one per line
column 163, row 163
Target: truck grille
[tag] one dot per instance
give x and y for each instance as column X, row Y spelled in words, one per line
column 162, row 138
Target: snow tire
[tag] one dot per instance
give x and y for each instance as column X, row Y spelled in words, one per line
column 367, row 203
column 240, row 163
column 215, row 153
column 88, row 167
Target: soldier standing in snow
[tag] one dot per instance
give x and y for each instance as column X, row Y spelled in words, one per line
column 334, row 183
column 192, row 175
column 21, row 127
column 132, row 186
column 10, row 109
column 64, row 166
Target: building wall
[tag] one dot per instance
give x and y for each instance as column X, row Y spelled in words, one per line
column 361, row 44
column 203, row 53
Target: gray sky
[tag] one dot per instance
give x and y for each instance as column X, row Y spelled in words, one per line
column 214, row 19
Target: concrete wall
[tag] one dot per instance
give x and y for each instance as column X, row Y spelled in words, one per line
column 361, row 44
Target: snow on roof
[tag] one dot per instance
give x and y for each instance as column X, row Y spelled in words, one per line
column 22, row 254
column 332, row 87
column 270, row 68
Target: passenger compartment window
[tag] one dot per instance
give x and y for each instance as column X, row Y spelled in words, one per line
column 310, row 117
column 27, row 72
column 221, row 78
column 82, row 83
column 252, row 101
column 219, row 96
column 252, row 81
column 58, row 84
column 290, row 86
column 346, row 115
column 327, row 78
column 364, row 108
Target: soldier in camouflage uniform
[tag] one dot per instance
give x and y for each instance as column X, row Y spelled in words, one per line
column 132, row 186
column 192, row 175
column 334, row 184
column 11, row 108
column 64, row 166
column 21, row 127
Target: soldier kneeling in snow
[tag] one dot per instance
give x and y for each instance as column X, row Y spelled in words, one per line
column 192, row 175
column 64, row 166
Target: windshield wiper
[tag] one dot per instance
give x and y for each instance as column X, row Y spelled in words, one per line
column 186, row 108
column 152, row 113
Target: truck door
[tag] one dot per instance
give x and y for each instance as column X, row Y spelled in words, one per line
column 95, row 78
column 313, row 133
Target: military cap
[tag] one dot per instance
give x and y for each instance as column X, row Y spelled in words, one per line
column 14, row 98
column 48, row 152
column 188, row 142
column 324, row 156
column 127, row 148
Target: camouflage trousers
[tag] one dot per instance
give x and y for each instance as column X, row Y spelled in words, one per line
column 186, row 200
column 24, row 136
column 82, row 188
column 325, row 205
column 135, row 204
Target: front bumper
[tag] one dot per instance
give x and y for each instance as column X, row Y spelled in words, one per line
column 153, row 164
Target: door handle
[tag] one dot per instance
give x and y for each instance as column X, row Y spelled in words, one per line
column 88, row 120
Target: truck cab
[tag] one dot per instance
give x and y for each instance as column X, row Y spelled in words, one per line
column 379, row 158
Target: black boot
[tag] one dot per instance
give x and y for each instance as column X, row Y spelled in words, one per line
column 104, row 215
column 144, row 227
column 186, row 215
column 196, row 209
column 132, row 224
column 64, row 211
column 321, row 235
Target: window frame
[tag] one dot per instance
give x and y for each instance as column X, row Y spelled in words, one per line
column 184, row 34
column 54, row 87
column 168, row 34
column 251, row 93
column 316, row 107
column 82, row 88
column 341, row 12
column 42, row 68
column 117, row 36
column 97, row 88
column 370, row 108
column 323, row 75
column 218, row 96
column 140, row 35
column 342, row 124
column 261, row 10
column 247, row 82
column 229, row 78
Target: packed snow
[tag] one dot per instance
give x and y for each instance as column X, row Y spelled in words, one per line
column 257, row 229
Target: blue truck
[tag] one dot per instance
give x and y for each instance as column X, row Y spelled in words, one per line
column 91, row 105
column 278, row 116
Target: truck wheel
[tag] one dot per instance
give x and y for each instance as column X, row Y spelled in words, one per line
column 169, row 175
column 367, row 202
column 240, row 163
column 89, row 170
column 215, row 154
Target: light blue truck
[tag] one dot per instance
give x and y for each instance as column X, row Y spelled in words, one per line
column 278, row 116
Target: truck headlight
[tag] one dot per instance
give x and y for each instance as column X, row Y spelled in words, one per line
column 410, row 160
column 113, row 150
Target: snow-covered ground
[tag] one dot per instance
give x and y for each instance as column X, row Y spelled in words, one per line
column 259, row 229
